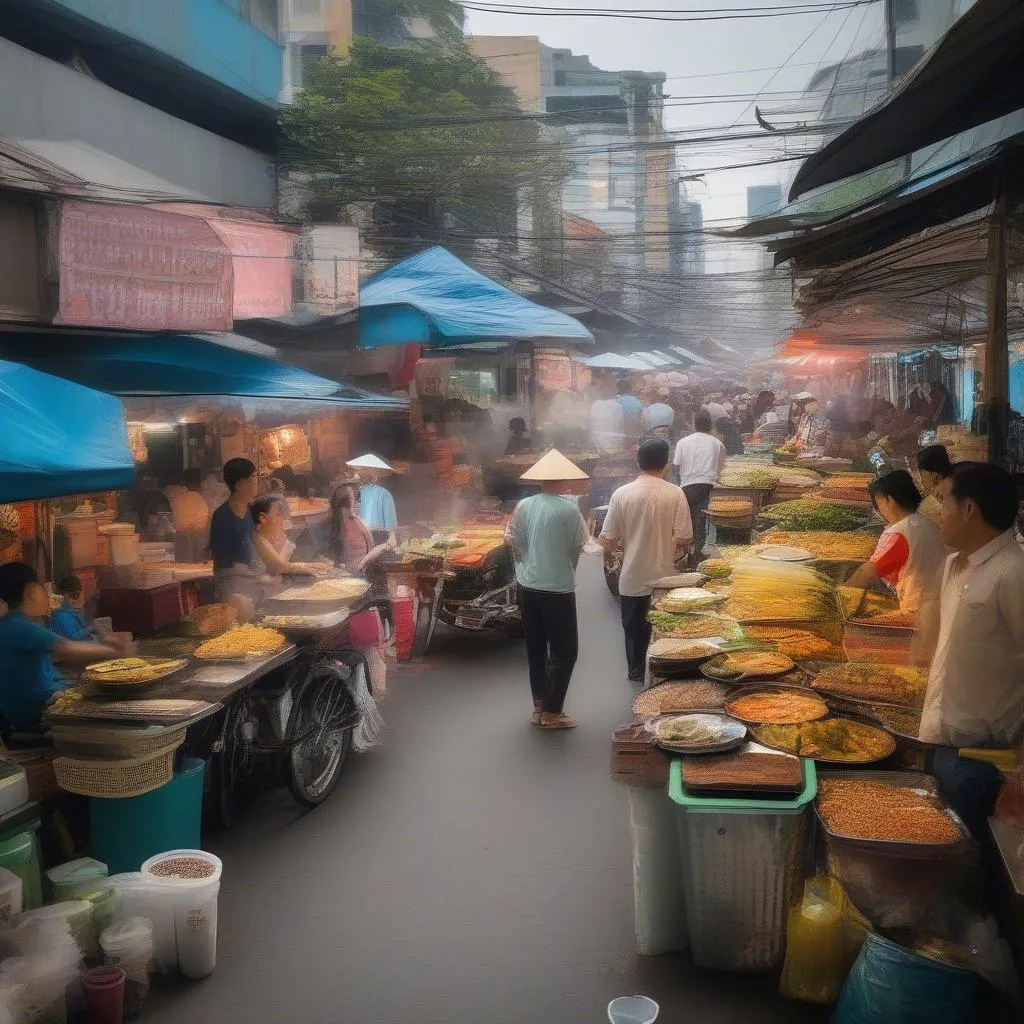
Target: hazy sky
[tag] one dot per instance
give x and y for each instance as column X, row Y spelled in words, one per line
column 708, row 63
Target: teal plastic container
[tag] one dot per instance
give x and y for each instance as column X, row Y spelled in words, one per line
column 127, row 832
column 20, row 855
column 741, row 860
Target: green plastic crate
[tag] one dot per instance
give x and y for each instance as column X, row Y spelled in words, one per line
column 732, row 805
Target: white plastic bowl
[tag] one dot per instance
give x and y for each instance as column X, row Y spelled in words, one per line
column 633, row 1010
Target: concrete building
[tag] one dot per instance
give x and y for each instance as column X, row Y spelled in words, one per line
column 624, row 172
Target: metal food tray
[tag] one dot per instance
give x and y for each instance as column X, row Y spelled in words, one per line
column 738, row 729
column 866, row 709
column 741, row 678
column 841, row 765
column 745, row 691
column 890, row 847
column 141, row 686
column 312, row 624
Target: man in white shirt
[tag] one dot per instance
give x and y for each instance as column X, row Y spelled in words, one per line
column 699, row 461
column 650, row 521
column 975, row 695
column 606, row 424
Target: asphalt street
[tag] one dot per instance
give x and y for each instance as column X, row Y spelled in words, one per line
column 474, row 869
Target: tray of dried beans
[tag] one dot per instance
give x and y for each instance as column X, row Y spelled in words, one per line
column 740, row 666
column 762, row 705
column 867, row 681
column 691, row 695
column 674, row 657
column 898, row 813
column 832, row 740
column 751, row 769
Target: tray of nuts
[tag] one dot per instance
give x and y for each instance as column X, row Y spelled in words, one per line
column 900, row 814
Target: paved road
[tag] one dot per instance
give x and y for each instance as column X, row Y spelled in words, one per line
column 475, row 869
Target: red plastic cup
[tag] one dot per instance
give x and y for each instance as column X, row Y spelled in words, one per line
column 104, row 994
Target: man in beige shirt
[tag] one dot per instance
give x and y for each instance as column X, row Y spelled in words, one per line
column 649, row 519
column 975, row 695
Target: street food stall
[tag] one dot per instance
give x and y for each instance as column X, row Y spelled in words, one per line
column 780, row 718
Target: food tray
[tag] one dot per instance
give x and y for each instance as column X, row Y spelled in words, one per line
column 752, row 785
column 711, row 670
column 131, row 710
column 879, row 712
column 681, row 696
column 305, row 625
column 749, row 690
column 889, row 847
column 847, row 763
column 670, row 666
column 134, row 687
column 734, row 733
column 285, row 603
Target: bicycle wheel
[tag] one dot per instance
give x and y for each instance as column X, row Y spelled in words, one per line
column 232, row 765
column 320, row 731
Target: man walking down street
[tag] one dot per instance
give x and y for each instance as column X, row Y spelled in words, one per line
column 547, row 534
column 650, row 520
column 699, row 461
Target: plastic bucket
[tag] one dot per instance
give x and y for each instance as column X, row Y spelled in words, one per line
column 195, row 906
column 104, row 994
column 633, row 1010
column 19, row 855
column 124, row 548
column 139, row 897
column 129, row 945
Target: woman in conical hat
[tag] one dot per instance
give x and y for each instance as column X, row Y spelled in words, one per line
column 376, row 505
column 547, row 535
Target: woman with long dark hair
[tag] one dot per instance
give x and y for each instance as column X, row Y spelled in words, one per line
column 349, row 540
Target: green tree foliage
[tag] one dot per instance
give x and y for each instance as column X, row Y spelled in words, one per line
column 426, row 133
column 387, row 19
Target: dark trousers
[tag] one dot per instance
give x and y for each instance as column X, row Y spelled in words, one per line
column 637, row 631
column 698, row 497
column 969, row 787
column 552, row 644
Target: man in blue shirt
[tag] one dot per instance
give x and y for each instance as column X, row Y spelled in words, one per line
column 632, row 411
column 28, row 679
column 376, row 504
column 68, row 621
column 231, row 530
column 547, row 534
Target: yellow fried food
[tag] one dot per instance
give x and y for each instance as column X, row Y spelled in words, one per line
column 889, row 684
column 131, row 670
column 241, row 642
column 335, row 590
column 824, row 543
column 835, row 739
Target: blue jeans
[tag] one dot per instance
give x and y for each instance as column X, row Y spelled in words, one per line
column 969, row 787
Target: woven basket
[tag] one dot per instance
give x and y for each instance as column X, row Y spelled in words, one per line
column 636, row 759
column 39, row 774
column 82, row 741
column 116, row 779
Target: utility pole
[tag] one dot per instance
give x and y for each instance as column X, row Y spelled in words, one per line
column 890, row 42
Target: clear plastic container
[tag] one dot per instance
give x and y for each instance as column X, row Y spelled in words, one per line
column 633, row 1010
column 10, row 896
column 75, row 915
column 129, row 945
column 195, row 908
column 20, row 855
column 136, row 896
column 65, row 879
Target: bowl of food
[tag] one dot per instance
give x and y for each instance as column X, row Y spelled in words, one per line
column 765, row 705
column 120, row 674
column 833, row 740
column 677, row 657
column 699, row 733
column 740, row 666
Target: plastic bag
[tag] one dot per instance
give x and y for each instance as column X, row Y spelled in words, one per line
column 369, row 733
column 823, row 939
column 893, row 985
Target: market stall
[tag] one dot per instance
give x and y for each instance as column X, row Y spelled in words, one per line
column 782, row 813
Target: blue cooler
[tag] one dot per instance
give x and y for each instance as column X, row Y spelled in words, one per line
column 127, row 832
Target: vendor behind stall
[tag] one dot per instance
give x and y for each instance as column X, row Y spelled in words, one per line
column 933, row 466
column 231, row 531
column 811, row 426
column 910, row 554
column 376, row 505
column 975, row 695
column 28, row 678
column 68, row 620
column 269, row 516
column 518, row 442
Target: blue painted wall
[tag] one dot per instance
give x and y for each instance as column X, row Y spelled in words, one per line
column 210, row 36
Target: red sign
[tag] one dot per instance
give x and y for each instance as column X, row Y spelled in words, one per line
column 139, row 268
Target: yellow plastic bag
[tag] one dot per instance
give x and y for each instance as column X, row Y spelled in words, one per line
column 823, row 939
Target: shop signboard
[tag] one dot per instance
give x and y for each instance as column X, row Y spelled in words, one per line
column 261, row 260
column 328, row 260
column 138, row 268
column 553, row 369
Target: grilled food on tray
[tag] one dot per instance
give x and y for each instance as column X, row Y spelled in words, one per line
column 240, row 643
column 131, row 670
column 834, row 739
column 776, row 707
column 858, row 604
column 859, row 680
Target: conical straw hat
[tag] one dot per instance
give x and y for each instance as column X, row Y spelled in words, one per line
column 369, row 462
column 554, row 466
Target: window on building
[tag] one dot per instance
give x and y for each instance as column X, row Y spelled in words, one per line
column 906, row 12
column 264, row 15
column 559, row 78
column 621, row 182
column 307, row 8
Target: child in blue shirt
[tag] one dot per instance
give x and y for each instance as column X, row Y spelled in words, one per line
column 68, row 620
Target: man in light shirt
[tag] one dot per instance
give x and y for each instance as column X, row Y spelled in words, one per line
column 699, row 461
column 606, row 423
column 649, row 519
column 659, row 414
column 975, row 695
column 632, row 410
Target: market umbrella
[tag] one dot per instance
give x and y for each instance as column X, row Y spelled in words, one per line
column 614, row 361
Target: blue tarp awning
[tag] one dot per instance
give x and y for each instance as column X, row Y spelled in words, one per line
column 435, row 299
column 179, row 364
column 59, row 438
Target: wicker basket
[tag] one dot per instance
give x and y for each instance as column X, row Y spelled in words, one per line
column 38, row 766
column 91, row 742
column 116, row 779
column 636, row 759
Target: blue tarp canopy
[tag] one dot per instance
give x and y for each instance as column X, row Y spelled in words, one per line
column 435, row 299
column 58, row 438
column 180, row 364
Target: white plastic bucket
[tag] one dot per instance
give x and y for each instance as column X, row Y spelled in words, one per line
column 129, row 945
column 124, row 548
column 136, row 896
column 195, row 910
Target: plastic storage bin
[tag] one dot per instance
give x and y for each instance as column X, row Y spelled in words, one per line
column 20, row 855
column 658, row 899
column 65, row 880
column 741, row 862
column 127, row 832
